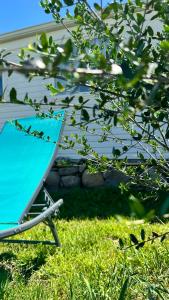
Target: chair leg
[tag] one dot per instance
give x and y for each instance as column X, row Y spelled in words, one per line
column 54, row 231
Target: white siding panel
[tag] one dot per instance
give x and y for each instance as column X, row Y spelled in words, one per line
column 13, row 111
column 36, row 90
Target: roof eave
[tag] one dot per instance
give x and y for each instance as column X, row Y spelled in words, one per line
column 33, row 30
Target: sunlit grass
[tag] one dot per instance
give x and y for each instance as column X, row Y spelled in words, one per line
column 89, row 265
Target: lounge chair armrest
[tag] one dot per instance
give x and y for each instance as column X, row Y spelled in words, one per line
column 52, row 210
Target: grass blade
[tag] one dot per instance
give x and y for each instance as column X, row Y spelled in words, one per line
column 124, row 289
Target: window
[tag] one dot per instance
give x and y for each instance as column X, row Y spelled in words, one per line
column 1, row 87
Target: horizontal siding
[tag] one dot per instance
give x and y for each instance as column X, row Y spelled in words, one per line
column 13, row 111
column 36, row 90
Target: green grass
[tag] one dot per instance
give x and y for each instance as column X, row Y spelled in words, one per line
column 104, row 202
column 88, row 266
column 98, row 202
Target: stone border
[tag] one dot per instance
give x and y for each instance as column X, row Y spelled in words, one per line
column 68, row 173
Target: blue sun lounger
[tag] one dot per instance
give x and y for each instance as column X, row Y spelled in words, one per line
column 28, row 148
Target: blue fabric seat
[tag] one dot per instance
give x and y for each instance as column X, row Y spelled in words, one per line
column 25, row 161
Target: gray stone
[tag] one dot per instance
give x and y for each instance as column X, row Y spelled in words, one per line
column 68, row 171
column 68, row 160
column 70, row 181
column 53, row 179
column 92, row 180
column 82, row 168
column 75, row 161
column 115, row 177
column 62, row 158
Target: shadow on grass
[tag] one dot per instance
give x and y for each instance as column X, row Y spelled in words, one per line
column 5, row 277
column 8, row 261
column 105, row 202
column 5, row 271
column 7, row 256
column 90, row 203
column 32, row 265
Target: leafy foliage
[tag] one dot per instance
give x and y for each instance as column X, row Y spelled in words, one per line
column 120, row 52
column 137, row 243
column 123, row 58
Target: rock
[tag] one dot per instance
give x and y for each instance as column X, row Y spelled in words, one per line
column 82, row 168
column 62, row 158
column 53, row 179
column 92, row 180
column 70, row 181
column 75, row 161
column 68, row 171
column 114, row 177
column 82, row 161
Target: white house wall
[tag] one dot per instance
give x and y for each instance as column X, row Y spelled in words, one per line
column 36, row 90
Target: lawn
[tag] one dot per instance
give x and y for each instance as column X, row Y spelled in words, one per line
column 88, row 266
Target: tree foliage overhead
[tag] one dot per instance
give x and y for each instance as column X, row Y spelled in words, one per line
column 121, row 53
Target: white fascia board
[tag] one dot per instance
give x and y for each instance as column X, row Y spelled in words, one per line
column 33, row 30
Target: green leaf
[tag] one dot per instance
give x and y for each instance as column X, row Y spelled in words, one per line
column 52, row 89
column 139, row 3
column 121, row 243
column 10, row 73
column 140, row 18
column 60, row 87
column 150, row 30
column 114, row 6
column 102, row 61
column 45, row 99
column 121, row 30
column 142, row 234
column 44, row 40
column 137, row 137
column 141, row 156
column 165, row 45
column 125, row 148
column 167, row 134
column 140, row 245
column 126, row 8
column 116, row 152
column 85, row 115
column 136, row 207
column 50, row 40
column 80, row 99
column 133, row 239
column 165, row 206
column 166, row 28
column 155, row 234
column 13, row 95
column 97, row 7
column 163, row 238
column 106, row 12
column 115, row 120
column 155, row 16
column 123, row 291
column 68, row 48
column 136, row 28
column 69, row 2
